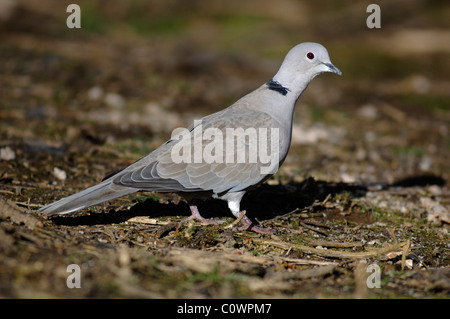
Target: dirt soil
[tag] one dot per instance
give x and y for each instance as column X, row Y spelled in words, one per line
column 364, row 189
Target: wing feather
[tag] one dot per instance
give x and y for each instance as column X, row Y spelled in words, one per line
column 158, row 171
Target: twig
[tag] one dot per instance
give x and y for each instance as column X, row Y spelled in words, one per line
column 292, row 212
column 313, row 229
column 147, row 220
column 405, row 252
column 314, row 223
column 392, row 234
column 335, row 244
column 18, row 215
column 237, row 220
column 300, row 261
column 332, row 253
column 182, row 254
column 28, row 204
column 326, row 199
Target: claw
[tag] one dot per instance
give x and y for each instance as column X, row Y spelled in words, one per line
column 195, row 215
column 249, row 225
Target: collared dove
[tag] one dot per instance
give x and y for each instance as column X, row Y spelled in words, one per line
column 181, row 165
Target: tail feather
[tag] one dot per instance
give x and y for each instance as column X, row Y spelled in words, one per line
column 91, row 196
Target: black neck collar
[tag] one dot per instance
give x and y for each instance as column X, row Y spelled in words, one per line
column 276, row 86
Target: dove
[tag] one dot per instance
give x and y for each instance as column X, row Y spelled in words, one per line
column 222, row 155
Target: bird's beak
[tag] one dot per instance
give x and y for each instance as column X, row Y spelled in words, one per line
column 333, row 69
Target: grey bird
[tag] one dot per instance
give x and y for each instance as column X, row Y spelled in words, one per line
column 270, row 106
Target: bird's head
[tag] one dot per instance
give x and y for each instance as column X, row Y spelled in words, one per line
column 304, row 62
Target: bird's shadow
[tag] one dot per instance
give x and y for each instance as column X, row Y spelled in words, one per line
column 262, row 202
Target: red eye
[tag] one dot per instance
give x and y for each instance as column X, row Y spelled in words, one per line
column 310, row 55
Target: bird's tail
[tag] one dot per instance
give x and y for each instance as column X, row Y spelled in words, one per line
column 93, row 195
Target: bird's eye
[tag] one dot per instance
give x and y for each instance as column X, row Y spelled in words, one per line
column 310, row 55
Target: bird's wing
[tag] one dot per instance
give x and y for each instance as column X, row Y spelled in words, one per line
column 210, row 172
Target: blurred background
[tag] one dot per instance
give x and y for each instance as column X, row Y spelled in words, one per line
column 90, row 100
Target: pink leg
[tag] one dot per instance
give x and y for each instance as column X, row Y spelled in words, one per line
column 195, row 214
column 248, row 225
column 234, row 206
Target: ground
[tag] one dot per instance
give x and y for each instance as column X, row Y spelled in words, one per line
column 363, row 190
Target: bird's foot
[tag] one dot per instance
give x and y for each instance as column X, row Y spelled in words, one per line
column 202, row 220
column 257, row 229
column 195, row 215
column 249, row 225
